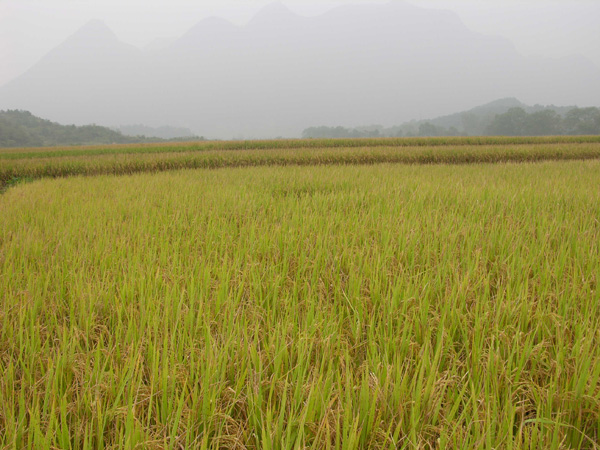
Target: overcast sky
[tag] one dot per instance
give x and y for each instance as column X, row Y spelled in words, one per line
column 30, row 28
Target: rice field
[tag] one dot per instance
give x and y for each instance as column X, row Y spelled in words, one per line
column 17, row 165
column 336, row 304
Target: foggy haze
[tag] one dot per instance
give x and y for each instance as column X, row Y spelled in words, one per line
column 276, row 72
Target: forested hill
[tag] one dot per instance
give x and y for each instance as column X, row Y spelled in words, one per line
column 505, row 117
column 23, row 129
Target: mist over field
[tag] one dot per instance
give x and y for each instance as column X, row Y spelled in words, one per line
column 280, row 73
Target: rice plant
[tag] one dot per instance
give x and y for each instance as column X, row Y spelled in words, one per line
column 339, row 306
column 41, row 163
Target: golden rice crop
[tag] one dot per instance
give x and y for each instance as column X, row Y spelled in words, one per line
column 349, row 307
column 24, row 165
column 177, row 147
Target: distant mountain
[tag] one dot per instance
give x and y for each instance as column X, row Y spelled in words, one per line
column 84, row 80
column 23, row 129
column 282, row 72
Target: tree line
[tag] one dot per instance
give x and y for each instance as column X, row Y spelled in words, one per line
column 515, row 122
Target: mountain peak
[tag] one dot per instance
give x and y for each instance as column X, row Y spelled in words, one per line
column 95, row 29
column 94, row 35
column 508, row 102
column 212, row 25
column 207, row 30
column 273, row 13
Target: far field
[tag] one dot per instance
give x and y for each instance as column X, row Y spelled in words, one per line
column 327, row 299
column 17, row 165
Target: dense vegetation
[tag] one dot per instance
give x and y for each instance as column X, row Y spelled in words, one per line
column 516, row 121
column 23, row 129
column 389, row 306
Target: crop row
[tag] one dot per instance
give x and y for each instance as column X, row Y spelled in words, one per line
column 127, row 163
column 57, row 152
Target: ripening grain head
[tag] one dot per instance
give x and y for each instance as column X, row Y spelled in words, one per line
column 358, row 307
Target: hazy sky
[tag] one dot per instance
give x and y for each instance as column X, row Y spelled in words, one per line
column 283, row 74
column 30, row 28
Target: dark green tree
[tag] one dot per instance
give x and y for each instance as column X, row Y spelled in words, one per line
column 582, row 121
column 543, row 123
column 511, row 123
